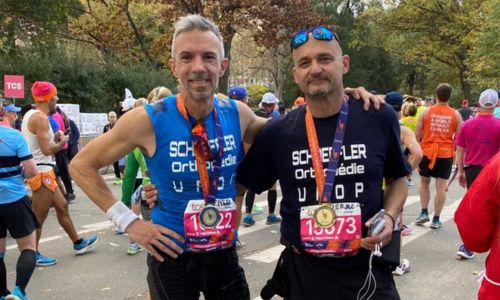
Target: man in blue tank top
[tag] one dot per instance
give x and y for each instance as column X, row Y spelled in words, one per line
column 192, row 143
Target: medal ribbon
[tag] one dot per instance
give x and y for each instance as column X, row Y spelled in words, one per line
column 325, row 186
column 202, row 151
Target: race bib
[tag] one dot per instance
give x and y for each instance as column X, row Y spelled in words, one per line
column 343, row 238
column 202, row 239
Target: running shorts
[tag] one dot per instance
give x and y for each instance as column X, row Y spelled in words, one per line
column 442, row 168
column 47, row 179
column 18, row 218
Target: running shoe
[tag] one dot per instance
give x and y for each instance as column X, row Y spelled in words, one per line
column 117, row 181
column 422, row 219
column 273, row 219
column 248, row 220
column 436, row 224
column 403, row 268
column 134, row 248
column 70, row 197
column 3, row 297
column 256, row 210
column 44, row 261
column 85, row 245
column 240, row 244
column 16, row 294
column 464, row 253
column 410, row 182
column 407, row 230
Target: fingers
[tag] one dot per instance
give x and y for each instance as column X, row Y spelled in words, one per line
column 161, row 246
column 170, row 233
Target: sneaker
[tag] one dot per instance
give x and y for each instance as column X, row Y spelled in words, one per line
column 240, row 244
column 16, row 294
column 407, row 230
column 410, row 182
column 273, row 219
column 85, row 245
column 248, row 220
column 422, row 219
column 465, row 253
column 3, row 297
column 404, row 267
column 134, row 248
column 70, row 197
column 436, row 224
column 44, row 261
column 117, row 181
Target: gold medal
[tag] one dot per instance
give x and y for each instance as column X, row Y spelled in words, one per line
column 324, row 216
column 209, row 216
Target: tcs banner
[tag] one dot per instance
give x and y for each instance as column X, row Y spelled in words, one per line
column 13, row 86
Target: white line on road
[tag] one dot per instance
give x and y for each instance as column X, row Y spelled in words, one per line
column 267, row 256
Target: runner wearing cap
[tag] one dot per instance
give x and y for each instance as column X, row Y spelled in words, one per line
column 477, row 142
column 16, row 215
column 46, row 193
column 267, row 111
column 10, row 113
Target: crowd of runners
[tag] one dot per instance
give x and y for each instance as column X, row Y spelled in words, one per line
column 193, row 161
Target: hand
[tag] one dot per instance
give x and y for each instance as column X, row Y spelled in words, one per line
column 148, row 235
column 383, row 238
column 151, row 194
column 461, row 179
column 367, row 97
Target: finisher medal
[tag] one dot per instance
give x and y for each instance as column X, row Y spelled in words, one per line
column 324, row 216
column 209, row 216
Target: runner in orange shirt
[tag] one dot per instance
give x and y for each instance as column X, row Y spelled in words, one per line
column 436, row 129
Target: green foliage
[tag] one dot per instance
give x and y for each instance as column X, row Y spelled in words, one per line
column 255, row 92
column 96, row 87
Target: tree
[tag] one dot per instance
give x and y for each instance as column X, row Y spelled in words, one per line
column 34, row 23
column 437, row 31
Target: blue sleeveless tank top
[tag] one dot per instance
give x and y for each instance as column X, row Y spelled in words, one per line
column 173, row 168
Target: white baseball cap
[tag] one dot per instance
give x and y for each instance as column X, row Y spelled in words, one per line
column 488, row 98
column 269, row 98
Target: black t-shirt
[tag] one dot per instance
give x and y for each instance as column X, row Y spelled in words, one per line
column 371, row 151
column 465, row 112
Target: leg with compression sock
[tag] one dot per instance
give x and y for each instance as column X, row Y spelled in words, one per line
column 3, row 277
column 272, row 196
column 24, row 269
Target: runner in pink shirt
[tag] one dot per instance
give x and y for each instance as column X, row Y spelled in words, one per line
column 477, row 143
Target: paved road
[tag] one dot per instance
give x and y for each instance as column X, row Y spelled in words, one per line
column 108, row 272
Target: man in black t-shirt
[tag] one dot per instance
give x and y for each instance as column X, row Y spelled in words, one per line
column 370, row 151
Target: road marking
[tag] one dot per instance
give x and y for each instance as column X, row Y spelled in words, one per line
column 88, row 228
column 446, row 214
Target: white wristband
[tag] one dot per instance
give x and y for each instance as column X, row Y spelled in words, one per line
column 121, row 215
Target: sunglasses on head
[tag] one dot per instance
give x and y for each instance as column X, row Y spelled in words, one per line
column 320, row 33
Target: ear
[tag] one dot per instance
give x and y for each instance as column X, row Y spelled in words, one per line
column 171, row 64
column 294, row 69
column 345, row 63
column 224, row 64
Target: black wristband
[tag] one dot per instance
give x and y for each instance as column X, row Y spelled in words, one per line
column 392, row 218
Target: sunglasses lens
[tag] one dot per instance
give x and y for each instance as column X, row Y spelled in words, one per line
column 322, row 33
column 299, row 39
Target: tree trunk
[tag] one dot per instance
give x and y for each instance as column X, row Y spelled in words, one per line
column 224, row 80
column 412, row 75
column 464, row 82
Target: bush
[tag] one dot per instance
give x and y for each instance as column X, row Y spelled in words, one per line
column 97, row 87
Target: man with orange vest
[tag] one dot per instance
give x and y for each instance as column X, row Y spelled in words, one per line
column 436, row 129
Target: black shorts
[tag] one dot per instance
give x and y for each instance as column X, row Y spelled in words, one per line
column 18, row 218
column 304, row 277
column 216, row 274
column 442, row 168
column 471, row 173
